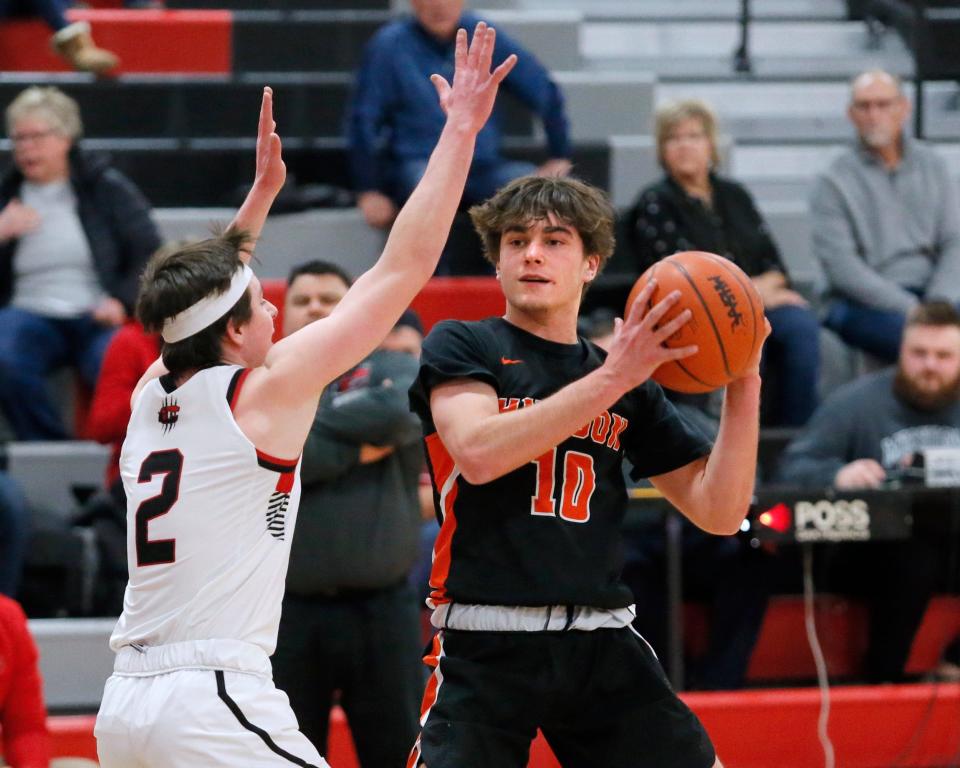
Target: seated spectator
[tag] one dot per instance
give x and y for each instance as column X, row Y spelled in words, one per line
column 23, row 717
column 395, row 119
column 868, row 433
column 693, row 208
column 14, row 534
column 885, row 221
column 74, row 236
column 72, row 41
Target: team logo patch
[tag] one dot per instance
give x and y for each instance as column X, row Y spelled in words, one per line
column 168, row 414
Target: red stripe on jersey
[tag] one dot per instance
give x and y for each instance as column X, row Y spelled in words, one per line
column 236, row 390
column 443, row 467
column 278, row 465
column 285, row 483
column 432, row 660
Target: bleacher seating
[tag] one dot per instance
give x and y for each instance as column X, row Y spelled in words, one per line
column 178, row 120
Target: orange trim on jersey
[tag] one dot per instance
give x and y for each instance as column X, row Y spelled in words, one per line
column 445, row 474
column 412, row 761
column 241, row 377
column 432, row 660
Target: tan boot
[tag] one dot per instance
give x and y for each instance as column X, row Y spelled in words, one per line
column 76, row 45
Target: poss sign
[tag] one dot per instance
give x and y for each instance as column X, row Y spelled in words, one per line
column 832, row 520
column 792, row 515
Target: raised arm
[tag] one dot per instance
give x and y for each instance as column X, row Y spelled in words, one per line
column 271, row 173
column 300, row 365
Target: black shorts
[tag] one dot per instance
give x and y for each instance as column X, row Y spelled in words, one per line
column 600, row 698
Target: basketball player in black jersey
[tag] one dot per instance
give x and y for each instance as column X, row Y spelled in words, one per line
column 526, row 426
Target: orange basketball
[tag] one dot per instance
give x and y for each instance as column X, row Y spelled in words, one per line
column 727, row 323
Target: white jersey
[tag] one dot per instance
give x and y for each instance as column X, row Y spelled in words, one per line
column 209, row 519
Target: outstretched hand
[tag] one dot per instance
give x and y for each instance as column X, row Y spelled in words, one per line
column 638, row 348
column 268, row 181
column 470, row 99
column 271, row 171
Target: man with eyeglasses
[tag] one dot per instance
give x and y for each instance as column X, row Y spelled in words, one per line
column 886, row 223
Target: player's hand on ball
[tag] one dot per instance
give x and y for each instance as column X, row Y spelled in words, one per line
column 752, row 368
column 638, row 348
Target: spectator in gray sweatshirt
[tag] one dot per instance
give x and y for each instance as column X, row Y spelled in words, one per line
column 886, row 222
column 871, row 432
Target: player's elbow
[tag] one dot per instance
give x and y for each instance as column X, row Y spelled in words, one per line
column 476, row 472
column 724, row 521
column 476, row 466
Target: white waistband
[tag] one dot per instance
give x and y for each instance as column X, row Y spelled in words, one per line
column 515, row 618
column 232, row 655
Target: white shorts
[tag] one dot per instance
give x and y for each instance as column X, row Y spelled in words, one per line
column 166, row 707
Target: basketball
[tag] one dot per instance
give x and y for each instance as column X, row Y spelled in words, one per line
column 727, row 323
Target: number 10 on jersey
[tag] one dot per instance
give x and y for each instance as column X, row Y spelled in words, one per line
column 577, row 484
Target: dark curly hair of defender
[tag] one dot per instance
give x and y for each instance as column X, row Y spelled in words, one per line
column 176, row 279
column 534, row 198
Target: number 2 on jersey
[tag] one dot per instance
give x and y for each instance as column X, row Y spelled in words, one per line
column 576, row 489
column 170, row 465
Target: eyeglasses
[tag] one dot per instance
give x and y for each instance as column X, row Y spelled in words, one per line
column 23, row 138
column 693, row 136
column 881, row 105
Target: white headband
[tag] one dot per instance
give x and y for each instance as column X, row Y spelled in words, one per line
column 208, row 310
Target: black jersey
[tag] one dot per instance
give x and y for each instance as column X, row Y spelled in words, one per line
column 547, row 533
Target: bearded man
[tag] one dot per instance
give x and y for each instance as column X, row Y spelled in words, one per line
column 871, row 433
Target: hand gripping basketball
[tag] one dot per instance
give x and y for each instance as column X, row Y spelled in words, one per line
column 727, row 323
column 638, row 348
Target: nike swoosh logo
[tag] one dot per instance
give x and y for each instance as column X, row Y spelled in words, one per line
column 508, row 361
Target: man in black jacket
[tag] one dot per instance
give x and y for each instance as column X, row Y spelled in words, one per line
column 74, row 236
column 350, row 620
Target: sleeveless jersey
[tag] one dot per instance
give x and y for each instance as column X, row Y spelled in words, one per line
column 209, row 518
column 547, row 533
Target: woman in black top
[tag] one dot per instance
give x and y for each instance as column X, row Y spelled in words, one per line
column 693, row 208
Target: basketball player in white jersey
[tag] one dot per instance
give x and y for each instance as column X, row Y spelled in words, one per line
column 211, row 457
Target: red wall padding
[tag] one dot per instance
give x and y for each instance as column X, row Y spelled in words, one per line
column 198, row 42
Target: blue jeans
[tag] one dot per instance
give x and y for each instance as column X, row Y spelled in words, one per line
column 31, row 346
column 51, row 11
column 14, row 534
column 876, row 331
column 793, row 352
column 484, row 179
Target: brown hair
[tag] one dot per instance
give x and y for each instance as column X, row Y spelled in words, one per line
column 670, row 116
column 175, row 279
column 535, row 198
column 939, row 313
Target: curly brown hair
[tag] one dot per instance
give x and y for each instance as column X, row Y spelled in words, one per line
column 534, row 198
